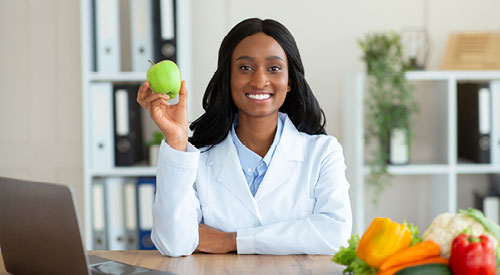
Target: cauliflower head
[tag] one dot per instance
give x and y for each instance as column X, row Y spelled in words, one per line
column 445, row 227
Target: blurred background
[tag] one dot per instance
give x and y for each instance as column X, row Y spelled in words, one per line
column 42, row 78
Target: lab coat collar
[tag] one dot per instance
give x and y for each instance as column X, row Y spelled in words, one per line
column 286, row 156
column 289, row 144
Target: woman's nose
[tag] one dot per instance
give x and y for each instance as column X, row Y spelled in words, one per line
column 260, row 79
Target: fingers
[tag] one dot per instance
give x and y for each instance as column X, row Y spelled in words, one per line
column 143, row 93
column 157, row 108
column 212, row 240
column 155, row 97
column 183, row 94
column 146, row 98
column 159, row 102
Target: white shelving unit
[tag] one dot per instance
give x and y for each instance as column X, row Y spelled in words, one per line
column 183, row 10
column 443, row 169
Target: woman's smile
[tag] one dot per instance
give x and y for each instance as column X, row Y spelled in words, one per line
column 259, row 97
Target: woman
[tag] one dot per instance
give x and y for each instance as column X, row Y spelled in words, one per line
column 266, row 178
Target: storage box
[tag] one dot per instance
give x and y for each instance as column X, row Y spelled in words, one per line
column 472, row 51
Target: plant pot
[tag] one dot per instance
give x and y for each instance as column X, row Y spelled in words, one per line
column 398, row 147
column 394, row 141
column 154, row 151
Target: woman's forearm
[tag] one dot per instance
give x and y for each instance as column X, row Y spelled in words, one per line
column 176, row 210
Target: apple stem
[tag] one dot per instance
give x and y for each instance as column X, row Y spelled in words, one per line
column 151, row 61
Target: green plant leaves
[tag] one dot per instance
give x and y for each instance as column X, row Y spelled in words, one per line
column 390, row 102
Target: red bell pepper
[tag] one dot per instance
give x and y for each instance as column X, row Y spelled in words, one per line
column 472, row 255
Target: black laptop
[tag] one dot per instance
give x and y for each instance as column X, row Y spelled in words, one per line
column 39, row 233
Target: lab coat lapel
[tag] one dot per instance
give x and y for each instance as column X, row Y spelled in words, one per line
column 286, row 158
column 231, row 174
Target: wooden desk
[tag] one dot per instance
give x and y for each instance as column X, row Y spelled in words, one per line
column 221, row 264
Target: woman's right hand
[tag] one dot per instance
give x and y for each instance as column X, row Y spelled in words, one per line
column 171, row 119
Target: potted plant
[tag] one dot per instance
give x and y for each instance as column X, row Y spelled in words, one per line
column 154, row 148
column 389, row 104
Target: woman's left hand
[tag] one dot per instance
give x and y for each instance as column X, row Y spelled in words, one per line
column 215, row 241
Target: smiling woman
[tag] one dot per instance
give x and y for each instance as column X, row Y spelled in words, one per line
column 259, row 77
column 259, row 175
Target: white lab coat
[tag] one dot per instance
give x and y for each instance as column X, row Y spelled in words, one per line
column 301, row 207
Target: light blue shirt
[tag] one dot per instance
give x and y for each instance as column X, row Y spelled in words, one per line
column 254, row 167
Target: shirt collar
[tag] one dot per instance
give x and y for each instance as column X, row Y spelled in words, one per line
column 279, row 129
column 249, row 159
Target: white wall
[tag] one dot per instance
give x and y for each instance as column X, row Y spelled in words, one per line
column 40, row 85
column 40, row 91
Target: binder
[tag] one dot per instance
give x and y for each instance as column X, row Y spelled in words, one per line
column 474, row 122
column 115, row 214
column 101, row 124
column 106, row 40
column 129, row 147
column 130, row 208
column 145, row 198
column 98, row 215
column 494, row 184
column 489, row 204
column 164, row 30
column 495, row 119
column 491, row 207
column 141, row 34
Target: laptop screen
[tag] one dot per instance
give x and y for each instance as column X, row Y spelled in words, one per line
column 39, row 230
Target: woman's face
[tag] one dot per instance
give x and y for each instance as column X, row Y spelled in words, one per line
column 259, row 76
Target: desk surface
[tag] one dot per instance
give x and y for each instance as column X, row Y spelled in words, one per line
column 222, row 263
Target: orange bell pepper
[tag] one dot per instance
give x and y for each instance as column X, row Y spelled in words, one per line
column 382, row 239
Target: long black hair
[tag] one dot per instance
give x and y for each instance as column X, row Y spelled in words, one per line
column 300, row 104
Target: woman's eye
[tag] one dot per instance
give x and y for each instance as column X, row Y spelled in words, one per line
column 245, row 68
column 275, row 68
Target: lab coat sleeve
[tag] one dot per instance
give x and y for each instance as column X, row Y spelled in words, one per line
column 176, row 209
column 322, row 232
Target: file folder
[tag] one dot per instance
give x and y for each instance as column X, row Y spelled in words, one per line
column 115, row 226
column 491, row 207
column 106, row 30
column 101, row 125
column 489, row 203
column 164, row 30
column 473, row 121
column 495, row 119
column 129, row 147
column 141, row 34
column 145, row 198
column 130, row 195
column 98, row 215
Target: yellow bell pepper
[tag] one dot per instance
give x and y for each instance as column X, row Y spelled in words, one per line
column 382, row 239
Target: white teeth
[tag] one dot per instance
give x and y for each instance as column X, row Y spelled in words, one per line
column 259, row 96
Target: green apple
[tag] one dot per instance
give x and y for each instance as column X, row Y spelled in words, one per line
column 165, row 77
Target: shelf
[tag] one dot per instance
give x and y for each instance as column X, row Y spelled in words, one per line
column 439, row 169
column 441, row 139
column 427, row 75
column 92, row 172
column 415, row 169
column 457, row 75
column 477, row 168
column 118, row 77
column 131, row 171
